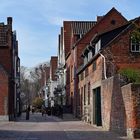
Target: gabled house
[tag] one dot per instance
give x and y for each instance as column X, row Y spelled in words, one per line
column 104, row 101
column 70, row 33
column 111, row 20
column 10, row 65
column 78, row 30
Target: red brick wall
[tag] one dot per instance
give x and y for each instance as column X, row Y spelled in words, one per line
column 118, row 52
column 53, row 67
column 74, row 58
column 121, row 107
column 4, row 89
column 131, row 98
column 5, row 51
column 92, row 77
column 6, row 60
column 102, row 26
column 67, row 36
column 113, row 108
column 47, row 73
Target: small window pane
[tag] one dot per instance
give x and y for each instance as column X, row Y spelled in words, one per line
column 133, row 47
column 137, row 47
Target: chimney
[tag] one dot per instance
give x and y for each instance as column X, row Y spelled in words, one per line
column 9, row 20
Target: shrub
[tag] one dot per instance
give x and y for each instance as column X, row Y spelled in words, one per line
column 38, row 102
column 131, row 75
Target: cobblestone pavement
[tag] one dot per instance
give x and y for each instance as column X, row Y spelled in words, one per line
column 52, row 128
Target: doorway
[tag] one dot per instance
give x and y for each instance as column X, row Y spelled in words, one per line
column 97, row 117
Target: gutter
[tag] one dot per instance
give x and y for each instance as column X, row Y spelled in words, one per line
column 104, row 64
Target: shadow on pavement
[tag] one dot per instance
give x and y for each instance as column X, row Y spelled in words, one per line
column 37, row 117
column 57, row 135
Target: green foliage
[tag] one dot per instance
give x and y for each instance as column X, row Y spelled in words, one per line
column 131, row 75
column 135, row 35
column 38, row 102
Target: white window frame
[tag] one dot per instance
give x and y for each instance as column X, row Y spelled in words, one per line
column 98, row 46
column 134, row 44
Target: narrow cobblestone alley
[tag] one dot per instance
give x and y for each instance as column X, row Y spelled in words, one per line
column 52, row 128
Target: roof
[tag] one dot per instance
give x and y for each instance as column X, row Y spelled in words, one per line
column 94, row 27
column 72, row 28
column 81, row 27
column 114, row 34
column 105, row 36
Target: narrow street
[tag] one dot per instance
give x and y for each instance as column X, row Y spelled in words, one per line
column 52, row 128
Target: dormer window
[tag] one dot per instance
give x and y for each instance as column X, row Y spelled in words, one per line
column 78, row 36
column 89, row 55
column 97, row 46
column 85, row 60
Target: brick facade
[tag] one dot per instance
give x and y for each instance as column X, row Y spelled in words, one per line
column 120, row 107
column 4, row 88
column 131, row 98
column 103, row 25
column 75, row 30
column 113, row 109
column 10, row 62
column 107, row 105
column 53, row 67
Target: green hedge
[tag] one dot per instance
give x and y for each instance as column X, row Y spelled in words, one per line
column 132, row 75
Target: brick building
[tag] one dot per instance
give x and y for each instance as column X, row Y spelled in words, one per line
column 10, row 65
column 45, row 76
column 104, row 23
column 104, row 101
column 73, row 32
column 52, row 79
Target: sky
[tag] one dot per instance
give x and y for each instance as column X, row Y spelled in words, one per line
column 38, row 22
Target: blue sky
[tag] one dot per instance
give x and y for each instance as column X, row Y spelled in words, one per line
column 38, row 22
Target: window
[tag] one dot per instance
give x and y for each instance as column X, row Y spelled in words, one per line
column 72, row 73
column 97, row 46
column 85, row 60
column 94, row 65
column 89, row 93
column 78, row 36
column 84, row 94
column 82, row 75
column 79, row 76
column 135, row 46
column 113, row 22
column 89, row 55
column 81, row 100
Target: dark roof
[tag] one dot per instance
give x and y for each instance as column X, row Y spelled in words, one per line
column 82, row 27
column 72, row 28
column 113, row 9
column 107, row 38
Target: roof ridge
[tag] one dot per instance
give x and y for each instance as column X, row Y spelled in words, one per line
column 100, row 22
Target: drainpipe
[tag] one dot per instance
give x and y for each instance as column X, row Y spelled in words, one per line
column 104, row 65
